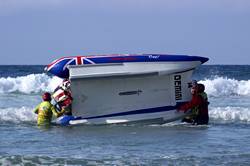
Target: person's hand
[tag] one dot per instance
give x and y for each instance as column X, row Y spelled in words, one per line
column 63, row 110
column 179, row 110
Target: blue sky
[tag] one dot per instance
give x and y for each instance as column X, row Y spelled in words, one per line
column 37, row 32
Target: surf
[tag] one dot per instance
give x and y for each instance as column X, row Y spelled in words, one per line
column 217, row 115
column 38, row 83
column 225, row 87
column 32, row 83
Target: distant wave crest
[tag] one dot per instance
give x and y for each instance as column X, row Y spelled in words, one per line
column 230, row 114
column 221, row 86
column 32, row 83
column 35, row 83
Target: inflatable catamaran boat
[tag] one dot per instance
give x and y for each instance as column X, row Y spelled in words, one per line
column 127, row 88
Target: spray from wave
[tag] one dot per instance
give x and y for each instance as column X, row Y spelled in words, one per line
column 230, row 114
column 32, row 83
column 17, row 115
column 221, row 86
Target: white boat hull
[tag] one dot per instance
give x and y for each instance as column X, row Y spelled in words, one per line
column 122, row 93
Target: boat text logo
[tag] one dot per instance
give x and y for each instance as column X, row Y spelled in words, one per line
column 177, row 87
column 153, row 56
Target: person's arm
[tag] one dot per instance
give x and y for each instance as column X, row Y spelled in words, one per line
column 196, row 100
column 55, row 113
column 36, row 109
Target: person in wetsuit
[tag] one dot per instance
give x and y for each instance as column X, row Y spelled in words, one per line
column 63, row 98
column 202, row 117
column 46, row 110
column 198, row 105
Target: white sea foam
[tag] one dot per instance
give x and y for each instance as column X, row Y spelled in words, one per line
column 16, row 115
column 218, row 114
column 230, row 114
column 226, row 87
column 32, row 83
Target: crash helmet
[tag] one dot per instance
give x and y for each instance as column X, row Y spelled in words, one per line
column 194, row 83
column 46, row 96
column 65, row 84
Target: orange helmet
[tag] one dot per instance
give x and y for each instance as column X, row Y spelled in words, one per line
column 46, row 96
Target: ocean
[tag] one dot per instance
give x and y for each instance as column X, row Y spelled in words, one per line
column 225, row 141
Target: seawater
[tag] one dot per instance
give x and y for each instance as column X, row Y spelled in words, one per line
column 225, row 141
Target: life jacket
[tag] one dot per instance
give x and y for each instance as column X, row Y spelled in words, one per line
column 59, row 95
column 194, row 105
column 62, row 97
column 203, row 95
column 66, row 102
column 199, row 109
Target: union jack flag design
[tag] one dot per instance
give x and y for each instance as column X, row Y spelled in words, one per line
column 59, row 67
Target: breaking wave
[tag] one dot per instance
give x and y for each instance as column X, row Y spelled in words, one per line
column 230, row 114
column 32, row 83
column 17, row 115
column 221, row 86
column 35, row 83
